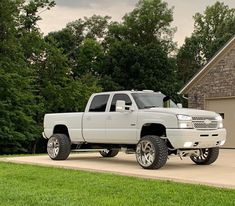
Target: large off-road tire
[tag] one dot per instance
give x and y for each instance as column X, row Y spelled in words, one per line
column 59, row 147
column 109, row 153
column 151, row 152
column 207, row 156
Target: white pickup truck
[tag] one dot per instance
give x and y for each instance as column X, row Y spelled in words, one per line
column 146, row 123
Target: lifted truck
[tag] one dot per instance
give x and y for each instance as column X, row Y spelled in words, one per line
column 137, row 122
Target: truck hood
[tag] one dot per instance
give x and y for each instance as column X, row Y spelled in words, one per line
column 189, row 112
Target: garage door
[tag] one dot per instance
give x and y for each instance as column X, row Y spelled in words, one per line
column 226, row 107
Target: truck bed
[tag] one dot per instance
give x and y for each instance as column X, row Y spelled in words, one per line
column 72, row 120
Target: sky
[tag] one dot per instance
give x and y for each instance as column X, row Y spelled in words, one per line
column 66, row 11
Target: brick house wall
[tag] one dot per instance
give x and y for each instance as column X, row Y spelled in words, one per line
column 219, row 81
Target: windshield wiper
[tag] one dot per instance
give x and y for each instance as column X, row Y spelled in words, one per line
column 151, row 106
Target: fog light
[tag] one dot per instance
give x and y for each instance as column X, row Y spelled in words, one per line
column 222, row 142
column 188, row 144
column 183, row 125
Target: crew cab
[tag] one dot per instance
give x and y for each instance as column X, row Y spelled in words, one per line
column 146, row 123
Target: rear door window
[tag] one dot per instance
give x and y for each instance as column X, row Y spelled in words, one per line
column 99, row 103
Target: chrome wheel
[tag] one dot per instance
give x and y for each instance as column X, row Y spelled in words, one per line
column 53, row 147
column 109, row 152
column 206, row 156
column 105, row 151
column 204, row 153
column 145, row 153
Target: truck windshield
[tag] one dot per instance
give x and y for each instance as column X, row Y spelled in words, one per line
column 149, row 100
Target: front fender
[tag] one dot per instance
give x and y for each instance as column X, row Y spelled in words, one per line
column 167, row 120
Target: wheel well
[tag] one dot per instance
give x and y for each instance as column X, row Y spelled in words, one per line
column 153, row 129
column 61, row 129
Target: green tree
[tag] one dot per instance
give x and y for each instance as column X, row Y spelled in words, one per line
column 81, row 41
column 58, row 89
column 36, row 76
column 30, row 13
column 149, row 22
column 212, row 30
column 71, row 37
column 189, row 59
column 139, row 49
column 17, row 101
column 140, row 67
column 90, row 58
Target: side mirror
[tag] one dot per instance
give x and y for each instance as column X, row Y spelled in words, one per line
column 179, row 105
column 120, row 106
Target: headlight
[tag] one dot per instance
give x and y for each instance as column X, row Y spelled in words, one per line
column 184, row 121
column 184, row 117
column 219, row 118
column 220, row 125
column 220, row 121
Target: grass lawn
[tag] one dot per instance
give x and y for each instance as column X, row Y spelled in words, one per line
column 21, row 155
column 37, row 185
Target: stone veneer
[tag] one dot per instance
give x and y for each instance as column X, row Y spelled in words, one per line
column 218, row 82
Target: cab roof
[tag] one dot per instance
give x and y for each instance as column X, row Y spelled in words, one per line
column 128, row 92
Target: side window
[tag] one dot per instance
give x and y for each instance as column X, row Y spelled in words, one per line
column 116, row 97
column 99, row 103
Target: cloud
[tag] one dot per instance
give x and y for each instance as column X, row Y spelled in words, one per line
column 93, row 3
column 57, row 18
column 69, row 10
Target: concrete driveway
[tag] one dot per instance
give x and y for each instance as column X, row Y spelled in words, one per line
column 221, row 173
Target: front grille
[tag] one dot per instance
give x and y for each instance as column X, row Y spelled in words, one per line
column 205, row 123
column 198, row 118
column 202, row 125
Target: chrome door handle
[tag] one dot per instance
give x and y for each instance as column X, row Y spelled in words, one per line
column 133, row 124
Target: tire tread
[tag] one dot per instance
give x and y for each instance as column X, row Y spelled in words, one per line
column 161, row 151
column 212, row 157
column 65, row 146
column 111, row 153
